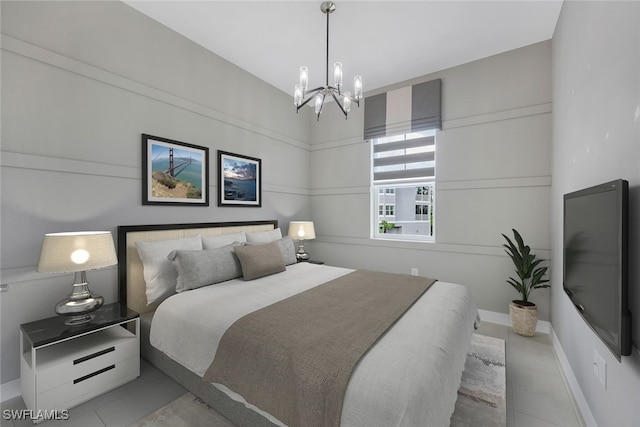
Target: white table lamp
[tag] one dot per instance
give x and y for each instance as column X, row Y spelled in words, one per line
column 77, row 252
column 300, row 231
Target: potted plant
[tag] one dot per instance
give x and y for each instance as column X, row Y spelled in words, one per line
column 524, row 313
column 386, row 226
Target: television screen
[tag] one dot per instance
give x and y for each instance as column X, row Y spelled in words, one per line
column 595, row 261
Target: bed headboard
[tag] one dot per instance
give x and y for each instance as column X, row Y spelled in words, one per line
column 131, row 285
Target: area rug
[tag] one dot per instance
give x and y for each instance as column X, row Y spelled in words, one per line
column 481, row 397
column 185, row 411
column 482, row 393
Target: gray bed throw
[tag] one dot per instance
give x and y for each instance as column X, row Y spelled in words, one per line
column 294, row 358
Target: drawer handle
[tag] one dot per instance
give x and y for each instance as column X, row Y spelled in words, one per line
column 86, row 377
column 94, row 355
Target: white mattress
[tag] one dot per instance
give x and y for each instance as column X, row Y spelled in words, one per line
column 409, row 378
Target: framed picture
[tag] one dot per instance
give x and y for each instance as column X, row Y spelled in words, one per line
column 239, row 180
column 174, row 173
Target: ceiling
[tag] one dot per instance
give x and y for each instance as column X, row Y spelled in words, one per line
column 384, row 41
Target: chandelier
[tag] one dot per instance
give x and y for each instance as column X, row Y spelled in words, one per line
column 303, row 95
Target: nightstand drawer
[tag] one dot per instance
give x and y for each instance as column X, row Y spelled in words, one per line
column 82, row 388
column 84, row 357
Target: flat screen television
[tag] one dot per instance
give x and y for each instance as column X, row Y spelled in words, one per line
column 595, row 261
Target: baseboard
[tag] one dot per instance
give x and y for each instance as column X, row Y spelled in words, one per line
column 579, row 401
column 543, row 326
column 9, row 390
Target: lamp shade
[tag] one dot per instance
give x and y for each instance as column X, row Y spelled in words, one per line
column 302, row 230
column 76, row 251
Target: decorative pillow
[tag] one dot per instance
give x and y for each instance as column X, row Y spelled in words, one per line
column 207, row 267
column 160, row 275
column 286, row 247
column 260, row 260
column 264, row 236
column 213, row 242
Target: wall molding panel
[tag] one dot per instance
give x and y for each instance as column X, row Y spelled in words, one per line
column 27, row 50
column 82, row 167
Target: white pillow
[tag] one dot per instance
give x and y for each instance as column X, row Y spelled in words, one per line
column 215, row 242
column 264, row 236
column 160, row 275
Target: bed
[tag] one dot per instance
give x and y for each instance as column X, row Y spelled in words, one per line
column 409, row 377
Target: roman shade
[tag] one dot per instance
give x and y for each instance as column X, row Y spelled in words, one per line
column 411, row 163
column 400, row 111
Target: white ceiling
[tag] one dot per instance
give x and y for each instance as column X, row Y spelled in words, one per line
column 384, row 41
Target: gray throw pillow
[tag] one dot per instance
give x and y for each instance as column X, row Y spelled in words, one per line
column 286, row 247
column 260, row 260
column 206, row 267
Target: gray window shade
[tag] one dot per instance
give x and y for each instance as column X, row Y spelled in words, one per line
column 426, row 106
column 403, row 165
column 403, row 145
column 423, row 113
column 375, row 116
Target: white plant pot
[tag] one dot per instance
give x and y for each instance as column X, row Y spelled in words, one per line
column 524, row 318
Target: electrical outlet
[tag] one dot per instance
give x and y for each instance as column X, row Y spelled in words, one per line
column 602, row 372
column 414, row 271
column 600, row 368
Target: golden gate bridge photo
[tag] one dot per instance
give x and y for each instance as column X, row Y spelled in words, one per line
column 176, row 173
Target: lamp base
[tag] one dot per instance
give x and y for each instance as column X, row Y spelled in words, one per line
column 301, row 255
column 79, row 320
column 77, row 306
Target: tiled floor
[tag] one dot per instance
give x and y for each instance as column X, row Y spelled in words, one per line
column 536, row 394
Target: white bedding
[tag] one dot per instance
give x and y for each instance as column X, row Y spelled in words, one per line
column 409, row 378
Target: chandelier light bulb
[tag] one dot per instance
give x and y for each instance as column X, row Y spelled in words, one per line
column 319, row 102
column 298, row 94
column 337, row 74
column 346, row 101
column 304, row 78
column 357, row 87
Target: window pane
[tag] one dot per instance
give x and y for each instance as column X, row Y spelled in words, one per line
column 408, row 214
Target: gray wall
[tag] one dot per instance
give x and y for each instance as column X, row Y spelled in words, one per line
column 596, row 138
column 493, row 174
column 81, row 81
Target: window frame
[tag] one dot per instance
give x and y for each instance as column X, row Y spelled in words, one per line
column 381, row 188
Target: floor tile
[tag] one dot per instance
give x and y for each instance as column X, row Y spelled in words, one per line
column 493, row 330
column 535, row 352
column 524, row 420
column 542, row 395
column 150, row 394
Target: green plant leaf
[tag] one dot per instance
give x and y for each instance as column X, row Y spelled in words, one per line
column 526, row 266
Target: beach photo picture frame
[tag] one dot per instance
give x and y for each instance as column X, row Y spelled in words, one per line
column 239, row 180
column 174, row 172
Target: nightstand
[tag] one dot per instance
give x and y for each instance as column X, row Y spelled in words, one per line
column 311, row 261
column 62, row 366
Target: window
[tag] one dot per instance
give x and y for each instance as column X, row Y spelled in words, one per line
column 403, row 186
